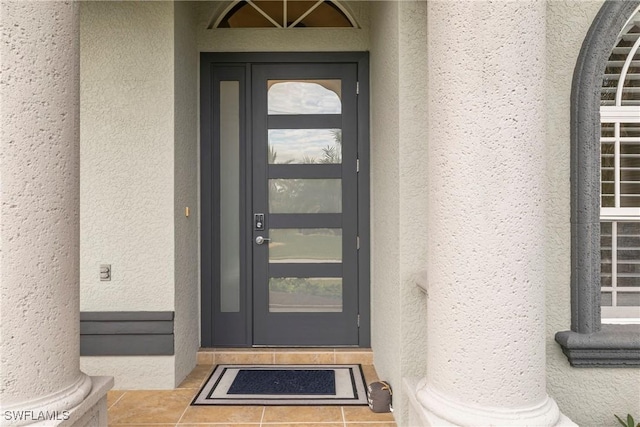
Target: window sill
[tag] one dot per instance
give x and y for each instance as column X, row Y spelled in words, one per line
column 615, row 346
column 622, row 321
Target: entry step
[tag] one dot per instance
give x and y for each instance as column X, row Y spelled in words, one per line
column 282, row 356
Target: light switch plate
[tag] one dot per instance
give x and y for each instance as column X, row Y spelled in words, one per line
column 105, row 272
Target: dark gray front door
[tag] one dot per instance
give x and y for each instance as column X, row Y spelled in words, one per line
column 285, row 219
column 305, row 275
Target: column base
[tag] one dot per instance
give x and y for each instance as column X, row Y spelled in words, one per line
column 428, row 408
column 84, row 404
column 92, row 411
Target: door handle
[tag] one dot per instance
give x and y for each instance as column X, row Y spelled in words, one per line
column 260, row 240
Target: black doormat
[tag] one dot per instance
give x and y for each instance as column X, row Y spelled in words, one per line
column 284, row 381
column 284, row 385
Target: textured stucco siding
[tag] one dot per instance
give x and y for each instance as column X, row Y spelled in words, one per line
column 127, row 172
column 39, row 195
column 385, row 198
column 187, row 336
column 413, row 132
column 127, row 109
column 588, row 396
column 133, row 372
column 398, row 200
column 486, row 160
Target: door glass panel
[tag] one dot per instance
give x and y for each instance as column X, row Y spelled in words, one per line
column 304, row 96
column 308, row 245
column 305, row 294
column 229, row 196
column 305, row 195
column 305, row 146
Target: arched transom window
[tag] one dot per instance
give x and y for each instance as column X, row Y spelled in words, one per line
column 620, row 175
column 284, row 14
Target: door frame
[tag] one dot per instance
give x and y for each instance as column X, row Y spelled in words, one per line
column 208, row 187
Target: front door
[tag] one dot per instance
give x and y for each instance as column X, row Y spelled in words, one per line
column 282, row 185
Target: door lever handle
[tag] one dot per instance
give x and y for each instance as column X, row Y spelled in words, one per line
column 260, row 240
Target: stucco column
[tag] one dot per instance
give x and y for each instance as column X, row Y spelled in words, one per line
column 486, row 299
column 39, row 286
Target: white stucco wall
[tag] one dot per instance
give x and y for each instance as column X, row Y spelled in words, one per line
column 589, row 397
column 186, row 327
column 413, row 198
column 133, row 372
column 126, row 175
column 385, row 198
column 398, row 153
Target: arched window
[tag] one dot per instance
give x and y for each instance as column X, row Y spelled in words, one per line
column 605, row 179
column 620, row 177
column 284, row 14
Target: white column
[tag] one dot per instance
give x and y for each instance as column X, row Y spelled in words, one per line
column 39, row 286
column 486, row 300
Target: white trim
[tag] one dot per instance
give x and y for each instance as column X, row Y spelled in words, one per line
column 304, row 15
column 621, row 321
column 626, row 114
column 619, row 214
column 284, row 13
column 614, row 263
column 215, row 20
column 263, row 13
column 611, row 139
column 625, row 70
column 616, row 165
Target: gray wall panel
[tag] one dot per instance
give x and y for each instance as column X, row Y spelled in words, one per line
column 125, row 333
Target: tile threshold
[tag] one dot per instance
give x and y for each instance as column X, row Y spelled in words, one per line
column 285, row 355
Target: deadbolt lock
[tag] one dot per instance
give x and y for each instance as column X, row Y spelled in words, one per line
column 258, row 221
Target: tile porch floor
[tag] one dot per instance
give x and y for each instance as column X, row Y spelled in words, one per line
column 155, row 408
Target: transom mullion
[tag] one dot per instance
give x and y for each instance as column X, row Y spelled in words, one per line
column 284, row 14
column 265, row 14
column 304, row 15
